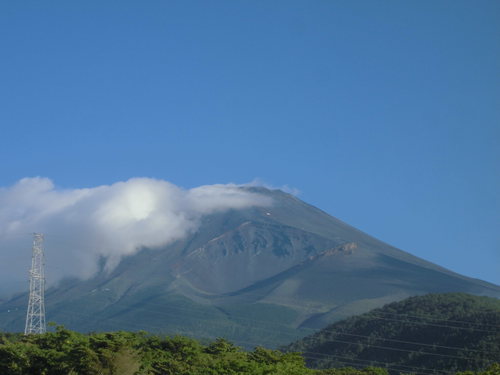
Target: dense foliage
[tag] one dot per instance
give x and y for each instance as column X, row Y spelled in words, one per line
column 447, row 332
column 65, row 352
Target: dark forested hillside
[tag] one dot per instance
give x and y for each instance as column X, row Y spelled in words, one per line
column 445, row 332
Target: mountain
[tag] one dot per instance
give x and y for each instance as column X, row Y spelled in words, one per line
column 257, row 276
column 436, row 332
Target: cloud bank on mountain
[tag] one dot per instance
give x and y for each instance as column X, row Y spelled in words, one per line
column 104, row 222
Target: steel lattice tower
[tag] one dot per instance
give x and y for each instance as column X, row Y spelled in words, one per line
column 35, row 317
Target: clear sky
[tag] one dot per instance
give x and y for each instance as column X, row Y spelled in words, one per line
column 385, row 114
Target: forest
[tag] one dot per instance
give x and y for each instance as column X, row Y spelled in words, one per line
column 434, row 334
column 448, row 332
column 65, row 352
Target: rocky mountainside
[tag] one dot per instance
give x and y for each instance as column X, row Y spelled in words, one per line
column 256, row 276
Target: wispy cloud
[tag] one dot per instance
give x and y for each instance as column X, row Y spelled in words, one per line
column 262, row 183
column 110, row 221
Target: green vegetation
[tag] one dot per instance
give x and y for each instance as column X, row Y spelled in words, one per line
column 433, row 334
column 65, row 352
column 446, row 332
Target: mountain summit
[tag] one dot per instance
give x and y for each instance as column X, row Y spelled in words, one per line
column 258, row 276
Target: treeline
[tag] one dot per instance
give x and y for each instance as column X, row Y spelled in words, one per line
column 446, row 332
column 65, row 352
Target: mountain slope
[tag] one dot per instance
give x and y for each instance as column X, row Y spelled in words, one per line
column 256, row 276
column 433, row 332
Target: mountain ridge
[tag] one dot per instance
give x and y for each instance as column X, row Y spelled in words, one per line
column 288, row 260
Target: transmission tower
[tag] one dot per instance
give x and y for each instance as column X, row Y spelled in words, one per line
column 35, row 317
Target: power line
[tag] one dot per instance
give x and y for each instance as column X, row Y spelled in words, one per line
column 438, row 319
column 201, row 316
column 366, row 363
column 402, row 341
column 253, row 320
column 316, row 331
column 436, row 325
column 356, row 361
column 405, row 350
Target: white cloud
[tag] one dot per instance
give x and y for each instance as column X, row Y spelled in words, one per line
column 286, row 188
column 110, row 221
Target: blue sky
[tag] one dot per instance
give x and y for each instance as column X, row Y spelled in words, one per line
column 385, row 114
